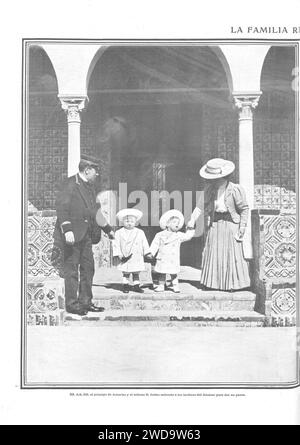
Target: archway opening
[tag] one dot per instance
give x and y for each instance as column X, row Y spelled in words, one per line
column 156, row 114
column 274, row 132
column 47, row 139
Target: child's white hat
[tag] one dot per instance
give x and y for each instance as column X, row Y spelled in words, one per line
column 129, row 212
column 171, row 214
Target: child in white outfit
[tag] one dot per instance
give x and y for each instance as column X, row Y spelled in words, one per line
column 166, row 247
column 130, row 245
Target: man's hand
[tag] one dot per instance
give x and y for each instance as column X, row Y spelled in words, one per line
column 70, row 239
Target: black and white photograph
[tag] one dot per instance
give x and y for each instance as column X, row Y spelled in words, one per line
column 150, row 216
column 160, row 213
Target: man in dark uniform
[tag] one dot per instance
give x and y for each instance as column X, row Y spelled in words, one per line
column 76, row 209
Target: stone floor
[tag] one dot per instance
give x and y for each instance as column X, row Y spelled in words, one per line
column 177, row 355
column 108, row 283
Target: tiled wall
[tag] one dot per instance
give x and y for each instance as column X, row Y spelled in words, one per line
column 274, row 155
column 274, row 164
column 47, row 164
column 274, row 263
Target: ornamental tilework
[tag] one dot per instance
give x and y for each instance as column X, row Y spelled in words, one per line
column 45, row 287
column 284, row 301
column 280, row 248
column 274, row 263
column 274, row 197
column 47, row 319
column 45, row 301
column 103, row 253
column 45, row 295
column 43, row 257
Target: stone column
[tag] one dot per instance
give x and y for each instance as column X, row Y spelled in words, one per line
column 246, row 103
column 73, row 106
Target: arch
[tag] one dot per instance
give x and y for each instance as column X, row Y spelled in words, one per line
column 245, row 62
column 221, row 56
column 30, row 55
column 35, row 46
column 207, row 69
column 93, row 63
column 275, row 133
column 46, row 134
column 71, row 62
column 154, row 115
column 273, row 56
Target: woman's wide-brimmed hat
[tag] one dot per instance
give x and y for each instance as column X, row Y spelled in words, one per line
column 216, row 168
column 171, row 214
column 129, row 212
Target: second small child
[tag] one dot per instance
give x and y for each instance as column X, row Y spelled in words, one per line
column 166, row 248
column 130, row 245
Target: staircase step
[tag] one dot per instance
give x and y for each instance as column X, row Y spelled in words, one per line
column 149, row 294
column 186, row 317
column 168, row 301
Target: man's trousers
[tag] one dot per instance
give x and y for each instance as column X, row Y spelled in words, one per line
column 79, row 271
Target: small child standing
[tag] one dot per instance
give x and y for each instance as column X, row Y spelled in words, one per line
column 130, row 245
column 166, row 247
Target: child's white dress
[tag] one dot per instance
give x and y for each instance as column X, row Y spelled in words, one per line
column 129, row 242
column 167, row 246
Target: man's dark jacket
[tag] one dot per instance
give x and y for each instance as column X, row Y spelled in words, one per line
column 76, row 209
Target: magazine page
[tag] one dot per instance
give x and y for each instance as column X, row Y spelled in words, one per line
column 151, row 221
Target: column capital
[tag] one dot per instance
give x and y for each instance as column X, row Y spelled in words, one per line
column 73, row 106
column 246, row 102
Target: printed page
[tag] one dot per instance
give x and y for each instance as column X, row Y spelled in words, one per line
column 155, row 279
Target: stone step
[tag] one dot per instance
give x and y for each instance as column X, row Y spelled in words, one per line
column 170, row 301
column 170, row 318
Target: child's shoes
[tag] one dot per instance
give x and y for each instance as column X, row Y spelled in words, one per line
column 160, row 288
column 137, row 288
column 175, row 288
column 125, row 288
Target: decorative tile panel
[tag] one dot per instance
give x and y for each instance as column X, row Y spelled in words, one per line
column 44, row 257
column 274, row 263
column 45, row 295
column 284, row 301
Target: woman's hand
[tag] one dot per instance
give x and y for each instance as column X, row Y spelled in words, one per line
column 240, row 235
